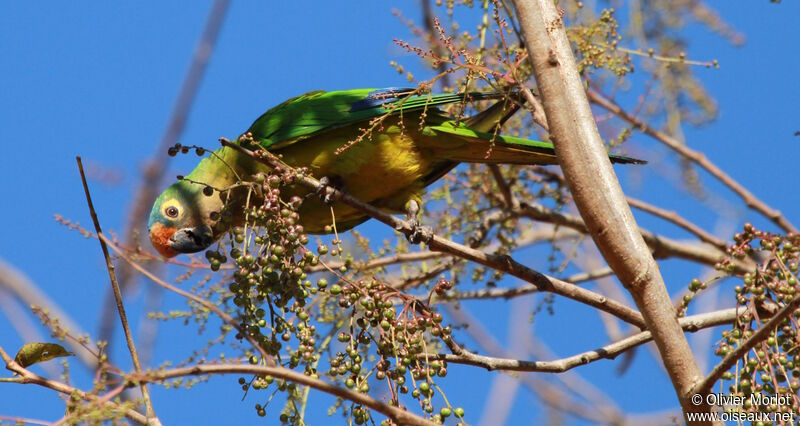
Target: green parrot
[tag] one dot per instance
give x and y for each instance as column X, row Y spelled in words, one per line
column 389, row 167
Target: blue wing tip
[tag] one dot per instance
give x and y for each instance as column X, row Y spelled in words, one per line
column 380, row 97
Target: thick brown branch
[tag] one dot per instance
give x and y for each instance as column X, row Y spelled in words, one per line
column 595, row 188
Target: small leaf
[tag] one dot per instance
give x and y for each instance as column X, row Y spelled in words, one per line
column 31, row 353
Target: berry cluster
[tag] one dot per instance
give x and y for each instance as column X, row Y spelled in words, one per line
column 772, row 367
column 281, row 310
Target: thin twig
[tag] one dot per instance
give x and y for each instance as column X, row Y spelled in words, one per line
column 674, row 217
column 379, row 262
column 661, row 247
column 151, row 416
column 509, row 293
column 697, row 157
column 691, row 324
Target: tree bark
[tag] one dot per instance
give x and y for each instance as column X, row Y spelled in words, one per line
column 596, row 190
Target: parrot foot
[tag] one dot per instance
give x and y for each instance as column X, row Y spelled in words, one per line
column 326, row 185
column 418, row 234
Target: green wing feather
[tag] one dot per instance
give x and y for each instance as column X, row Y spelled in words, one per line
column 314, row 112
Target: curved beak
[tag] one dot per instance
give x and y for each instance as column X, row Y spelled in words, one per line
column 191, row 240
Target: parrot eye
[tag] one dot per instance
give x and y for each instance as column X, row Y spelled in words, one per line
column 171, row 211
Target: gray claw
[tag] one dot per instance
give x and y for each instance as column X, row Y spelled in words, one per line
column 323, row 192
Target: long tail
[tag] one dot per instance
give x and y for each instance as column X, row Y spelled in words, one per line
column 481, row 147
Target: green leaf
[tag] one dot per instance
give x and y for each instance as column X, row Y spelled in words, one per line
column 31, row 353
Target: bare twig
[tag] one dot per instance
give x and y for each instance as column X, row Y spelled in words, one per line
column 661, row 247
column 610, row 351
column 151, row 416
column 380, row 262
column 678, row 220
column 508, row 197
column 508, row 293
column 697, row 157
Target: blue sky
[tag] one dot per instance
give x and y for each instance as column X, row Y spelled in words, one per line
column 99, row 81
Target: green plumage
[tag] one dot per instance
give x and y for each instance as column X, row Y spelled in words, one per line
column 404, row 143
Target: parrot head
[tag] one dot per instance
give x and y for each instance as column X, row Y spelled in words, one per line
column 180, row 221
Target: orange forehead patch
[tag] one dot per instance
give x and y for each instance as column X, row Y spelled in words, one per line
column 159, row 237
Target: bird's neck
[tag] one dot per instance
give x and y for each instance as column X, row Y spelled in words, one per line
column 224, row 167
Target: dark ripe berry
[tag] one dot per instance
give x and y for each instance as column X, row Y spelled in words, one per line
column 179, row 177
column 199, row 151
column 208, row 191
column 172, row 152
column 184, row 149
column 274, row 181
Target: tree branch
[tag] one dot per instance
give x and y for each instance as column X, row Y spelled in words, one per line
column 151, row 416
column 596, row 190
column 398, row 415
column 698, row 158
column 612, row 350
column 499, row 262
